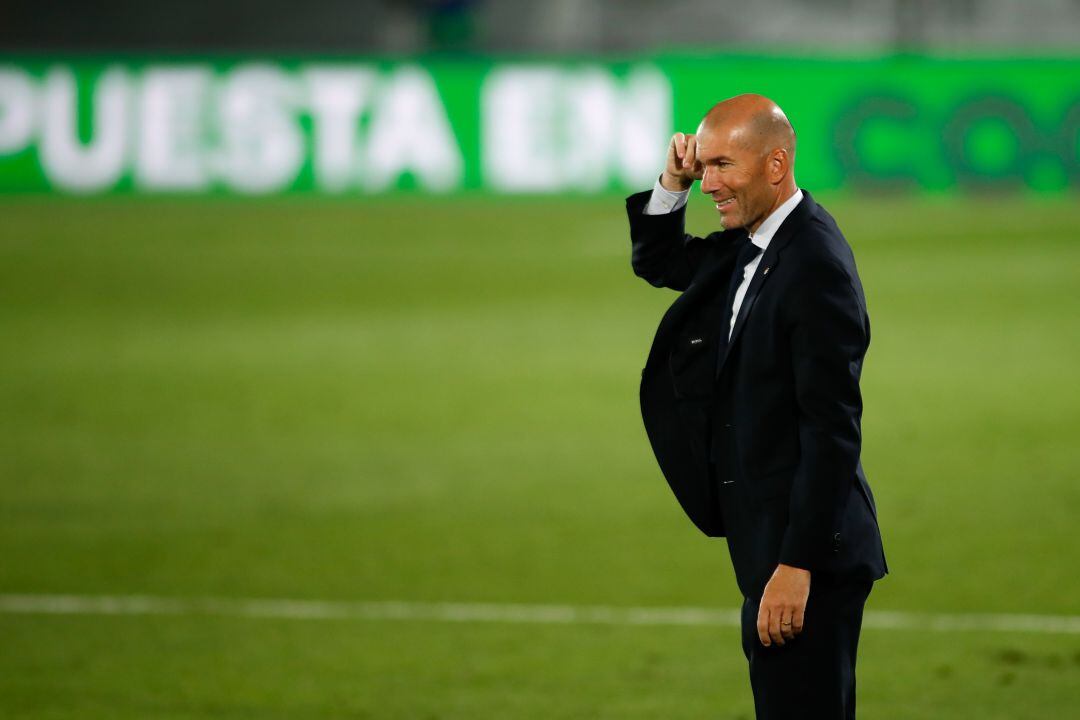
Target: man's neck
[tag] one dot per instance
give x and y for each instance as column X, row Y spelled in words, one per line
column 782, row 197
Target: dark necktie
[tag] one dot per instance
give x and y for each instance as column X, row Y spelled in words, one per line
column 747, row 252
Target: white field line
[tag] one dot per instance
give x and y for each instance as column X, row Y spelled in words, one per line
column 500, row 613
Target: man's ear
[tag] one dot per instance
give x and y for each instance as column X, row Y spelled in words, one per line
column 777, row 165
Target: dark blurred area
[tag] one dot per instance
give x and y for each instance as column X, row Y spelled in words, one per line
column 516, row 26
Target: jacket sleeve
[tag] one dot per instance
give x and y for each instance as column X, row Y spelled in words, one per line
column 661, row 251
column 829, row 335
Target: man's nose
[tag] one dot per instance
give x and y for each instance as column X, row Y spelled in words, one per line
column 709, row 185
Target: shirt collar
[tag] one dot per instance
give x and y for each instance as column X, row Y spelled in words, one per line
column 771, row 224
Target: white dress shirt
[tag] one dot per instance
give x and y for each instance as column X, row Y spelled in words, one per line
column 664, row 201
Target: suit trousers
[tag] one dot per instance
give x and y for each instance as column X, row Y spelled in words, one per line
column 811, row 677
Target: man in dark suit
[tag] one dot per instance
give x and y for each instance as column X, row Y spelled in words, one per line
column 750, row 397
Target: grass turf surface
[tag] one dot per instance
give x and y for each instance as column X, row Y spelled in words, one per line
column 431, row 400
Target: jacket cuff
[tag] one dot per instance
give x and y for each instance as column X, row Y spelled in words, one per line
column 808, row 555
column 636, row 203
column 635, row 211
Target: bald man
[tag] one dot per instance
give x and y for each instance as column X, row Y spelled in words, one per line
column 750, row 397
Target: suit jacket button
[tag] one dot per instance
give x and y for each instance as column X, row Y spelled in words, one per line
column 836, row 543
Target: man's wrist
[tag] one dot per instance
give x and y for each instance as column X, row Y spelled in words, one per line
column 674, row 184
column 795, row 567
column 664, row 201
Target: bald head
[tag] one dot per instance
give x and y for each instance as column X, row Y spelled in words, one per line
column 753, row 121
column 746, row 152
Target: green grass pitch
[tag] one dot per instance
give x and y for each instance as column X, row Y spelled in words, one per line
column 436, row 400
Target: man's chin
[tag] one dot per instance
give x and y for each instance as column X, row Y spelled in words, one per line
column 730, row 221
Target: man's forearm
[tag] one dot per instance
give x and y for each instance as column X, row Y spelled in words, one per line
column 828, row 342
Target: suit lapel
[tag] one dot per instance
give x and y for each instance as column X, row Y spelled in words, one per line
column 765, row 268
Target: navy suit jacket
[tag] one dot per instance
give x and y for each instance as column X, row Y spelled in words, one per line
column 759, row 436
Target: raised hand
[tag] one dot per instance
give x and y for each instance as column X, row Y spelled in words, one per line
column 682, row 166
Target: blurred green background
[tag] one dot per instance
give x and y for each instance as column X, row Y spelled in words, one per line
column 436, row 400
column 310, row 307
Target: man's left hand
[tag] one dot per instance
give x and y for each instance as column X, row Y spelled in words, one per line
column 783, row 604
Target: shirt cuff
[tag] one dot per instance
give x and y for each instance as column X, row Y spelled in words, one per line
column 664, row 201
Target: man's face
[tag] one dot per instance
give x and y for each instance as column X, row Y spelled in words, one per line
column 734, row 176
